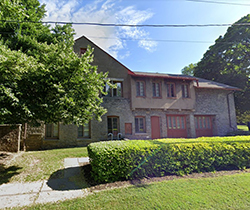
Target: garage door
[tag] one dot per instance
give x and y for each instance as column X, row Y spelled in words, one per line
column 176, row 126
column 203, row 126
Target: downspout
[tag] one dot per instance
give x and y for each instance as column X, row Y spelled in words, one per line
column 229, row 110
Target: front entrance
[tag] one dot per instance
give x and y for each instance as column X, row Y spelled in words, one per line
column 155, row 127
column 113, row 126
column 176, row 126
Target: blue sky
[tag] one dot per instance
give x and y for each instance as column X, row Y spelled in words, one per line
column 150, row 49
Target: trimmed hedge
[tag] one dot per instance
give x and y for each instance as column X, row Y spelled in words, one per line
column 121, row 160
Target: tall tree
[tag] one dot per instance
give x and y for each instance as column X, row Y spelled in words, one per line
column 228, row 61
column 42, row 79
column 189, row 70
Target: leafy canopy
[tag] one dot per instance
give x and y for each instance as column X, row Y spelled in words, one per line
column 42, row 79
column 228, row 61
column 189, row 70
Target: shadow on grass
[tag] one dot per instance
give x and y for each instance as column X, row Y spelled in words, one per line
column 7, row 172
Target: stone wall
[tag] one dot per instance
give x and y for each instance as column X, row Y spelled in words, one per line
column 220, row 104
column 9, row 138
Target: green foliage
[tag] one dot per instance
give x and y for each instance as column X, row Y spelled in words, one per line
column 42, row 79
column 228, row 61
column 189, row 70
column 120, row 160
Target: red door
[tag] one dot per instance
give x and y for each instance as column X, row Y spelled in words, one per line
column 203, row 126
column 155, row 127
column 176, row 126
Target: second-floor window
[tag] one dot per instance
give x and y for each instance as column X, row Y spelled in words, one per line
column 156, row 89
column 171, row 90
column 114, row 92
column 140, row 89
column 185, row 90
column 82, row 50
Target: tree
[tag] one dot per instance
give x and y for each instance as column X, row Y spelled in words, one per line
column 228, row 61
column 42, row 79
column 189, row 70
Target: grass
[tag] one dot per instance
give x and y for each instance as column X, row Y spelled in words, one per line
column 224, row 192
column 242, row 128
column 40, row 165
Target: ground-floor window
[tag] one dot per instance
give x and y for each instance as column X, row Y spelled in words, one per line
column 52, row 131
column 113, row 125
column 140, row 124
column 83, row 131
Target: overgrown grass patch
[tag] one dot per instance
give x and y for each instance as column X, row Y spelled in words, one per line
column 40, row 165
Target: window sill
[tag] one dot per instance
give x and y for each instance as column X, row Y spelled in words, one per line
column 51, row 139
column 141, row 133
column 83, row 139
column 155, row 97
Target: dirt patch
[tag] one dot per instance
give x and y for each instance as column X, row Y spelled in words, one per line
column 138, row 182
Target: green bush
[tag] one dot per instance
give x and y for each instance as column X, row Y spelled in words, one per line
column 122, row 160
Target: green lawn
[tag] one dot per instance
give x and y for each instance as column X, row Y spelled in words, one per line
column 242, row 127
column 38, row 165
column 224, row 192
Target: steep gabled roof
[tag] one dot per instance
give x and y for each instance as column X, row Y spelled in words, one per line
column 129, row 71
column 199, row 82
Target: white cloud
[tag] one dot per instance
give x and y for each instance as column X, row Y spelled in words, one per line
column 103, row 11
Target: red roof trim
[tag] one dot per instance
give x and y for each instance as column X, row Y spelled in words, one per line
column 164, row 76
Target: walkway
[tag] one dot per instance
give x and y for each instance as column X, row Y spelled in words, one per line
column 22, row 194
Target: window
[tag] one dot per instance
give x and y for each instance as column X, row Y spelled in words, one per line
column 82, row 50
column 185, row 90
column 176, row 122
column 156, row 89
column 52, row 131
column 140, row 89
column 203, row 122
column 83, row 131
column 113, row 125
column 170, row 90
column 114, row 92
column 140, row 125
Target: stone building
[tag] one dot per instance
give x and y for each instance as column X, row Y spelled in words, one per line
column 145, row 106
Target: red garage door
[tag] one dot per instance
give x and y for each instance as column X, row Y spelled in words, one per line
column 203, row 126
column 176, row 126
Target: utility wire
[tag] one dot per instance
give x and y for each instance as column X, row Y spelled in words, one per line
column 131, row 25
column 220, row 2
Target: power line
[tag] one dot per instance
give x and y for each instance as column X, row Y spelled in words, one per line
column 219, row 2
column 131, row 25
column 156, row 40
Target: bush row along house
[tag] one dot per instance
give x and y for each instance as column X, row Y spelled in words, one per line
column 146, row 106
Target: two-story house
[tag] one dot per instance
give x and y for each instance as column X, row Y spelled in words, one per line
column 146, row 106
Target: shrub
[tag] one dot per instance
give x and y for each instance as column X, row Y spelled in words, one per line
column 121, row 160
